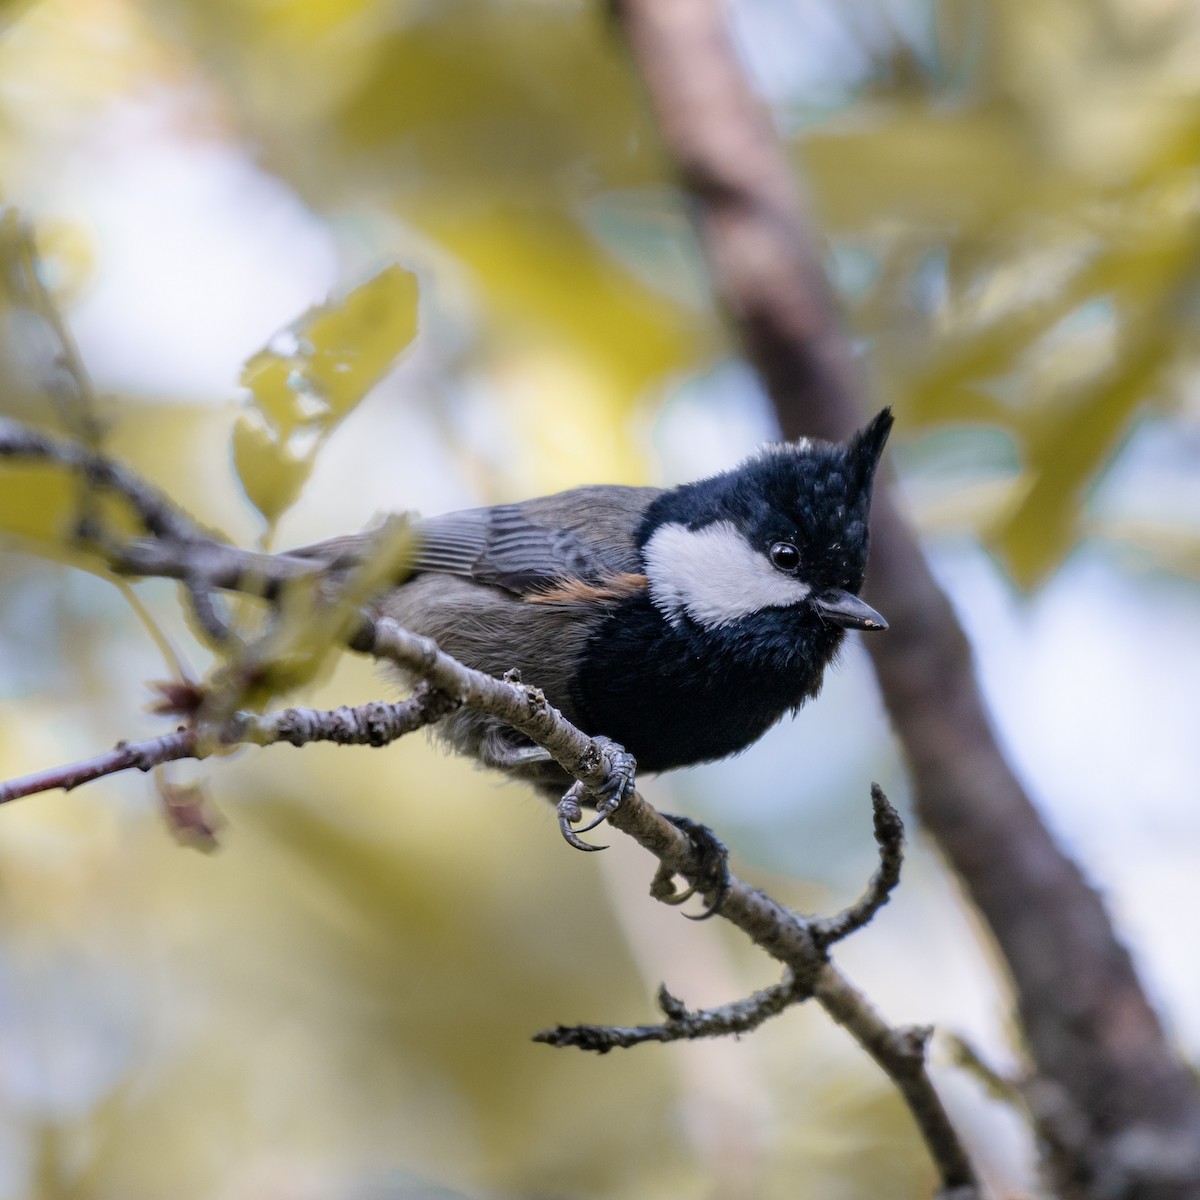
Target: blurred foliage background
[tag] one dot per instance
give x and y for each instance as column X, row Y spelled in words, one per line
column 237, row 204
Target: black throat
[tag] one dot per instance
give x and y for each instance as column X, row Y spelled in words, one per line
column 674, row 694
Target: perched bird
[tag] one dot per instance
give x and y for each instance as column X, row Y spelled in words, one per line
column 680, row 623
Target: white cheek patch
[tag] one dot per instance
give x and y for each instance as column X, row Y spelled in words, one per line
column 714, row 575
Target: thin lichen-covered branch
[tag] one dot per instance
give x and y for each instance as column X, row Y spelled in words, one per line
column 176, row 548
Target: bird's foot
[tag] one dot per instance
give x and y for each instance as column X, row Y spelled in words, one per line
column 712, row 876
column 622, row 767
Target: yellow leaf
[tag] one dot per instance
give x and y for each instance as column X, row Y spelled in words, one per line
column 333, row 356
column 270, row 474
column 356, row 341
column 267, row 375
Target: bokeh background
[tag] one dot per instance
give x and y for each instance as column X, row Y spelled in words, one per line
column 337, row 1002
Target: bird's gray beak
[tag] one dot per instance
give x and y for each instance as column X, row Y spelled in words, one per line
column 843, row 608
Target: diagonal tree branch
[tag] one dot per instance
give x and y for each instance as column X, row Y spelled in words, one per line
column 795, row 942
column 799, row 943
column 1091, row 1030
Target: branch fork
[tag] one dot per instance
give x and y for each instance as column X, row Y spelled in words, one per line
column 176, row 548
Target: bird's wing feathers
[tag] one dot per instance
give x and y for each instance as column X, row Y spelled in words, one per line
column 521, row 555
column 587, row 534
column 452, row 544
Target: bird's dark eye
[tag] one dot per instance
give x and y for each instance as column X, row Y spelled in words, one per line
column 785, row 556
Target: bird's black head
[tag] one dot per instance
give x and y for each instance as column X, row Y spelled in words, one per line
column 784, row 533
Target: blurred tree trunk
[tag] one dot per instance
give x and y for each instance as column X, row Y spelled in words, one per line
column 1118, row 1112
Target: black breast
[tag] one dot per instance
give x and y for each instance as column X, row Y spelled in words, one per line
column 677, row 695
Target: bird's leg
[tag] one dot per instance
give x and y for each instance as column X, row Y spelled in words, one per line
column 713, row 875
column 622, row 767
column 503, row 748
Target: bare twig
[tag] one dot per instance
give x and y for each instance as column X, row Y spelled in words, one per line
column 374, row 724
column 889, row 836
column 220, row 565
column 1088, row 1023
column 783, row 934
column 997, row 1085
column 125, row 756
column 741, row 1016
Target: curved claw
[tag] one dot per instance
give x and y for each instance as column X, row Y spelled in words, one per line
column 714, row 867
column 569, row 811
column 680, row 897
column 693, row 890
column 621, row 769
column 708, row 912
column 573, row 839
column 602, row 815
